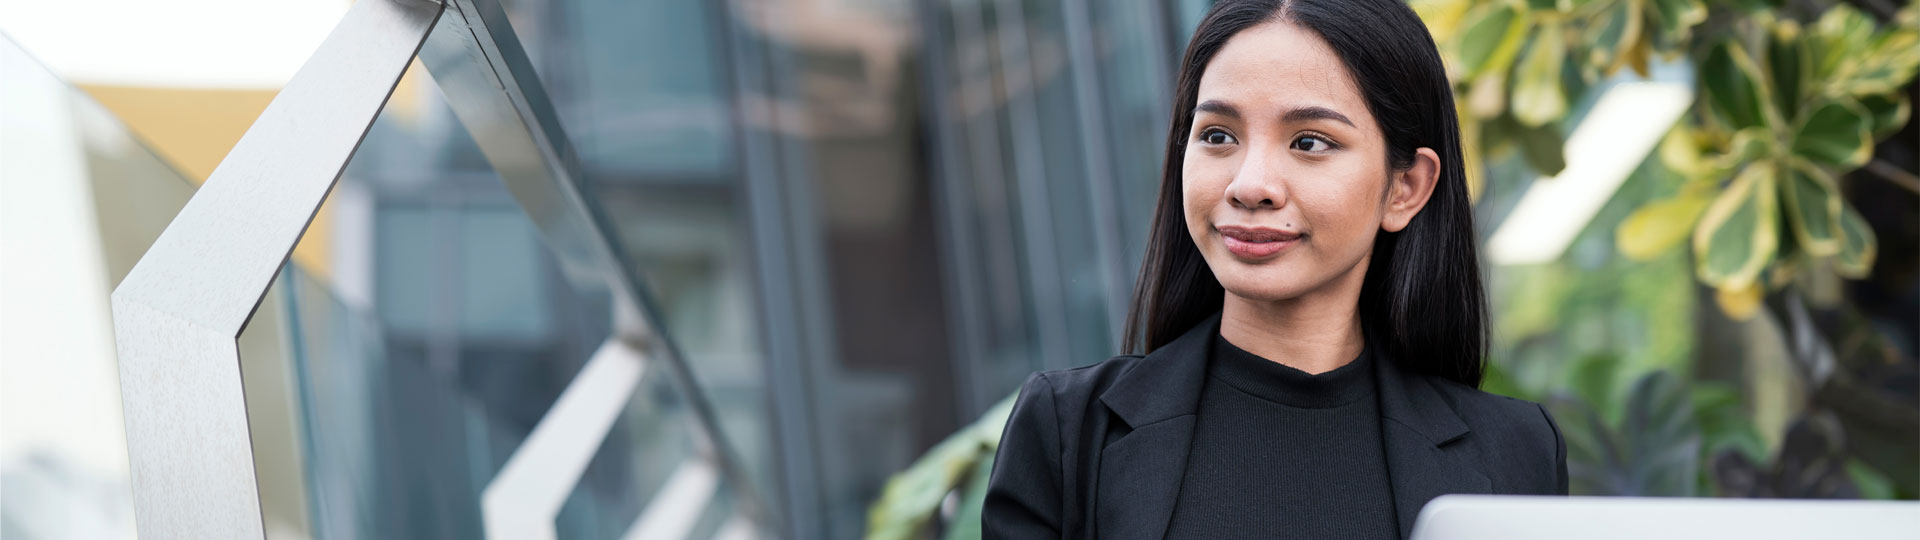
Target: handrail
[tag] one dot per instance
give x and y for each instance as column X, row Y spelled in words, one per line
column 178, row 314
column 490, row 83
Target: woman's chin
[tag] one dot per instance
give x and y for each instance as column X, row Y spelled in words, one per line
column 1262, row 288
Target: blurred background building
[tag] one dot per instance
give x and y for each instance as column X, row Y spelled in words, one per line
column 864, row 222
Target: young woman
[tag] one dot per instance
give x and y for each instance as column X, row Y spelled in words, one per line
column 1310, row 306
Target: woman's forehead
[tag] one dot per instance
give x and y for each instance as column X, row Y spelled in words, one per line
column 1279, row 66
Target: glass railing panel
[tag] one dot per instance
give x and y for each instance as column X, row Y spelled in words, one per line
column 439, row 333
column 80, row 200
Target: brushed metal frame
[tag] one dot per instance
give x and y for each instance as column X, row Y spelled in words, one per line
column 489, row 81
column 522, row 500
column 178, row 314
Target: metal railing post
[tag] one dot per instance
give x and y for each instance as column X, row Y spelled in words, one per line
column 179, row 313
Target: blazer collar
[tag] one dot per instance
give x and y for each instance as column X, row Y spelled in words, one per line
column 1166, row 383
column 1417, row 429
column 1411, row 399
column 1140, row 473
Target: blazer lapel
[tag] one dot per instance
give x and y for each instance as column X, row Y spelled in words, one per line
column 1421, row 433
column 1140, row 473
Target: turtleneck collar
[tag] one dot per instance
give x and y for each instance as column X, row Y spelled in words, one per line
column 1283, row 384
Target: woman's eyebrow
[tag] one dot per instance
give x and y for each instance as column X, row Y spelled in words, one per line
column 1219, row 108
column 1315, row 112
column 1294, row 115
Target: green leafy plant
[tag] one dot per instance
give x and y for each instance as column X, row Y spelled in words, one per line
column 1791, row 101
column 956, row 468
column 1653, row 448
column 1649, row 438
column 1516, row 65
column 1784, row 112
column 1811, row 464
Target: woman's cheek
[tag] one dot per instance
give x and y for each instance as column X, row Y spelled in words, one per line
column 1201, row 192
column 1336, row 211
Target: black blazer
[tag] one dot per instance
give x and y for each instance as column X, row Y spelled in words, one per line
column 1099, row 451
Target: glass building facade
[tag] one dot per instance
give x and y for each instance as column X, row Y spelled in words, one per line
column 868, row 221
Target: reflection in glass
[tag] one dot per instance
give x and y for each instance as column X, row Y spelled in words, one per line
column 80, row 200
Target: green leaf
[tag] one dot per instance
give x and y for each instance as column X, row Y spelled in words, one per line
column 912, row 497
column 1872, row 483
column 1493, row 34
column 1856, row 254
column 1739, row 233
column 1750, row 6
column 1442, row 17
column 1676, row 17
column 1660, row 431
column 973, row 498
column 987, row 429
column 1840, row 34
column 1543, row 147
column 1652, row 450
column 1684, row 151
column 1614, row 35
column 1537, row 96
column 1733, row 88
column 1889, row 112
column 1723, row 421
column 1741, row 302
column 1813, row 205
column 1788, row 62
column 1747, row 146
column 1659, row 226
column 1883, row 67
column 1593, row 379
column 1837, row 133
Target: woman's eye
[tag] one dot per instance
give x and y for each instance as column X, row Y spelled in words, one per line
column 1312, row 143
column 1214, row 136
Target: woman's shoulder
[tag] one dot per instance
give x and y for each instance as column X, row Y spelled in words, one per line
column 1079, row 384
column 1516, row 430
column 1486, row 410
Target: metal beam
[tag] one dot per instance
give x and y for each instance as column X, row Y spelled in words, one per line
column 1046, row 281
column 1091, row 111
column 178, row 314
column 490, row 83
column 783, row 283
column 675, row 509
column 525, row 497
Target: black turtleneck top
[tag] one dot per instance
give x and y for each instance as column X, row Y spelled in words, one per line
column 1280, row 453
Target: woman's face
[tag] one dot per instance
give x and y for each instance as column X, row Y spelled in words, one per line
column 1285, row 177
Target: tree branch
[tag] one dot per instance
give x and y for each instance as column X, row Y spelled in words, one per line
column 1893, row 173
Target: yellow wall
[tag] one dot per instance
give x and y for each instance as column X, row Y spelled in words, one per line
column 194, row 128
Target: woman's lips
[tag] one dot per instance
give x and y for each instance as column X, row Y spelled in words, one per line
column 1256, row 242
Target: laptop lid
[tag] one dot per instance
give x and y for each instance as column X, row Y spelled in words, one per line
column 1510, row 517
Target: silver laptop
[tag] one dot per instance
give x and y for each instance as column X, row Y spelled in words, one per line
column 1495, row 517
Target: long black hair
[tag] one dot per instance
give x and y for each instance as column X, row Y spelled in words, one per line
column 1422, row 299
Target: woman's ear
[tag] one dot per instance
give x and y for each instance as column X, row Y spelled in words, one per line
column 1410, row 189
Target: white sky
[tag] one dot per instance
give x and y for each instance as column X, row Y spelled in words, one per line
column 174, row 43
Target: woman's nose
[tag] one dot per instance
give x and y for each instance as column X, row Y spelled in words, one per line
column 1259, row 182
